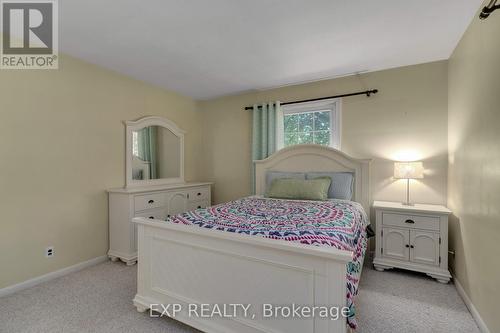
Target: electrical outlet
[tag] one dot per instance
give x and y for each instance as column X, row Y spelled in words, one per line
column 49, row 252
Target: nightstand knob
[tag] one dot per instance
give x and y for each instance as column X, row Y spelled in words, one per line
column 151, row 201
column 407, row 245
column 412, row 246
column 410, row 221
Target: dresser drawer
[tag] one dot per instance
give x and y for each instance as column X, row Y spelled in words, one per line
column 198, row 194
column 411, row 221
column 154, row 200
column 197, row 205
column 156, row 214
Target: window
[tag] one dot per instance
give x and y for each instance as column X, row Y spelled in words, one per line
column 135, row 143
column 314, row 122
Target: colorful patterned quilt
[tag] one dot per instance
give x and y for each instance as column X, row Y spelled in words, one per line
column 337, row 223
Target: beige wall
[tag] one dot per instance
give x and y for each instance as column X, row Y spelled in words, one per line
column 407, row 117
column 474, row 168
column 62, row 144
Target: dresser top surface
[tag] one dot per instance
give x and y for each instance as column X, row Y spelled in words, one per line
column 157, row 187
column 422, row 208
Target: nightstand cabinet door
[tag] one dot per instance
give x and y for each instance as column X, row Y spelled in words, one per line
column 424, row 247
column 395, row 243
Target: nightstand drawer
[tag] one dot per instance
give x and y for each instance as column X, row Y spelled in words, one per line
column 411, row 221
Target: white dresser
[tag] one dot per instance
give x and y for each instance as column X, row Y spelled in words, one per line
column 155, row 202
column 412, row 237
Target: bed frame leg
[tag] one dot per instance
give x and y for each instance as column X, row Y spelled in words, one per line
column 140, row 304
column 141, row 308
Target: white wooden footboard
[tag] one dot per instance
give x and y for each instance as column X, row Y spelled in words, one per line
column 185, row 265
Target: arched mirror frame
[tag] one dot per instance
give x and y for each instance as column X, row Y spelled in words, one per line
column 136, row 125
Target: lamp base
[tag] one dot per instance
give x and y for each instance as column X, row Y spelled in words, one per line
column 407, row 202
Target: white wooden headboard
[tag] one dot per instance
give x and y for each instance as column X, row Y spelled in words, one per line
column 311, row 158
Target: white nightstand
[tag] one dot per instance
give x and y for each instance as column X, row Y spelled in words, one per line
column 412, row 237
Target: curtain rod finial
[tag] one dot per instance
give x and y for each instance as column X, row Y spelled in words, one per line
column 490, row 8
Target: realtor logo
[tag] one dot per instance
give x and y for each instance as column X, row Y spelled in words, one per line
column 29, row 34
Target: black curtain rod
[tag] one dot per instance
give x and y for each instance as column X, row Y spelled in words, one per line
column 367, row 93
column 487, row 10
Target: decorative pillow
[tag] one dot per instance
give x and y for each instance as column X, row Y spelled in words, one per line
column 342, row 183
column 272, row 175
column 299, row 189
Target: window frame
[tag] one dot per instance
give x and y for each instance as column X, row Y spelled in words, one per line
column 135, row 143
column 334, row 106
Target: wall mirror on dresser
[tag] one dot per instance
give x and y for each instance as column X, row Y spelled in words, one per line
column 155, row 152
column 154, row 184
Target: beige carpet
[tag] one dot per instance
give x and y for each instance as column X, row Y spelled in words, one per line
column 98, row 299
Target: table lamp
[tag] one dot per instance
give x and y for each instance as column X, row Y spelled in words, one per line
column 408, row 170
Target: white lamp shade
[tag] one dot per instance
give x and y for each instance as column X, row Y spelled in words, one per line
column 408, row 170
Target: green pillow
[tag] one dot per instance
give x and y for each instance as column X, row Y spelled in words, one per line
column 299, row 189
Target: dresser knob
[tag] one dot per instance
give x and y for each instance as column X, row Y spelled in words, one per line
column 407, row 245
column 152, row 217
column 412, row 246
column 151, row 201
column 198, row 194
column 199, row 207
column 410, row 221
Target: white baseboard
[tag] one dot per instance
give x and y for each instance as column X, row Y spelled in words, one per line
column 475, row 314
column 50, row 276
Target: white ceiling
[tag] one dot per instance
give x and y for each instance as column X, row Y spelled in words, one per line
column 209, row 48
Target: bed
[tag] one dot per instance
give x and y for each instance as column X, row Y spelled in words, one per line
column 214, row 256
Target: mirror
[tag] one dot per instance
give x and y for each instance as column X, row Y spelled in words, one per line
column 155, row 152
